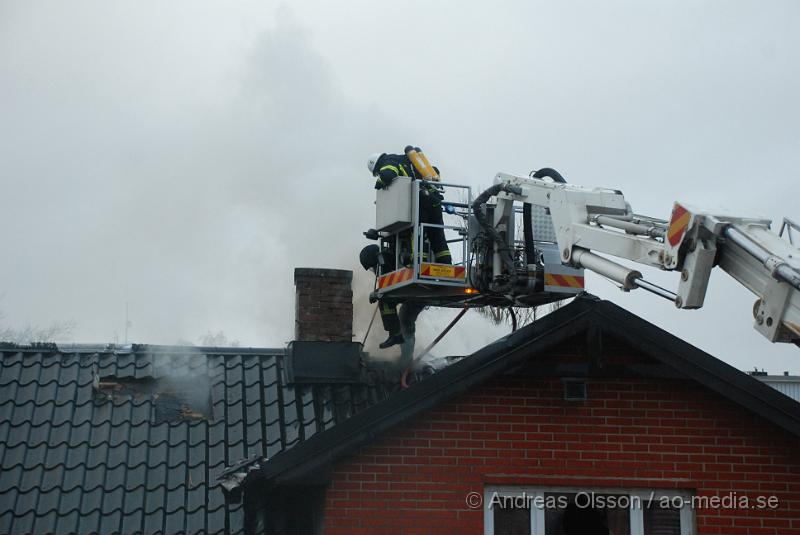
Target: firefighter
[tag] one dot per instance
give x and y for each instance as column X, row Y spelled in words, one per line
column 387, row 167
column 370, row 258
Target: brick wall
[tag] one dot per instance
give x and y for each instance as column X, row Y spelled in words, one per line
column 323, row 305
column 633, row 433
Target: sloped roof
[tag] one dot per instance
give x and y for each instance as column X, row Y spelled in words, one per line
column 73, row 459
column 310, row 461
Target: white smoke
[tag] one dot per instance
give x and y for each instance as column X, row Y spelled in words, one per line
column 195, row 207
column 184, row 157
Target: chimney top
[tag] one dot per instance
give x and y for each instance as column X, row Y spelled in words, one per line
column 323, row 305
column 322, row 273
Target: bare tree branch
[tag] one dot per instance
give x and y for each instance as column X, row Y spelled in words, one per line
column 210, row 339
column 30, row 334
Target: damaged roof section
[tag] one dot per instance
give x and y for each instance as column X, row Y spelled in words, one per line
column 178, row 389
column 104, row 440
column 173, row 399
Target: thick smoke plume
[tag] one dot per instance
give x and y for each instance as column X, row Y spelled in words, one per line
column 193, row 208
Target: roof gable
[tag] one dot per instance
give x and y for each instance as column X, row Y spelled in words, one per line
column 309, row 462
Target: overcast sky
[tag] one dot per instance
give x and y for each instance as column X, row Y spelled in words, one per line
column 184, row 157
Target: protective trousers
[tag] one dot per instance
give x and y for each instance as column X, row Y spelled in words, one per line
column 408, row 325
column 430, row 211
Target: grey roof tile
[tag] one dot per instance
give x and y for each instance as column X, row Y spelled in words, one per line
column 112, row 508
column 73, row 477
column 7, row 517
column 14, row 455
column 62, row 411
column 133, row 511
column 23, row 411
column 32, row 476
column 6, row 408
column 23, row 522
column 174, row 521
column 46, row 523
column 70, row 503
column 195, row 520
column 29, row 374
column 215, row 519
column 39, row 432
column 153, row 523
column 48, row 501
column 116, row 474
column 236, row 519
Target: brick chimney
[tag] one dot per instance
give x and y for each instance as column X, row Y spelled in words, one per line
column 323, row 305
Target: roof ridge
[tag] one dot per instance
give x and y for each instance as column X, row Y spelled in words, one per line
column 113, row 349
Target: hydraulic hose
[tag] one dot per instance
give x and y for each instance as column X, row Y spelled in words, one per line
column 527, row 231
column 483, row 198
column 549, row 172
column 486, row 225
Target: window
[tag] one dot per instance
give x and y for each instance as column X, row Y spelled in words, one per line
column 569, row 511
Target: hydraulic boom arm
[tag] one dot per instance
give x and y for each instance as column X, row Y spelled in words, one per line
column 590, row 221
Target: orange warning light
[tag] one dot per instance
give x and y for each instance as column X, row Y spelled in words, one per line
column 470, row 291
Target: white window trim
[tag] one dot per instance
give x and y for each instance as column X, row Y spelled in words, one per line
column 537, row 513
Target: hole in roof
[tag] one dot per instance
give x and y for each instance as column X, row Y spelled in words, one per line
column 174, row 399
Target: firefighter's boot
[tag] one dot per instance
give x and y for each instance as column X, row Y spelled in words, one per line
column 393, row 340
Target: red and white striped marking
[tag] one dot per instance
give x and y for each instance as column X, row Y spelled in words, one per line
column 678, row 224
column 563, row 281
column 395, row 277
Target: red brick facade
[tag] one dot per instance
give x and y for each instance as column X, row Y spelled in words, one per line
column 630, row 433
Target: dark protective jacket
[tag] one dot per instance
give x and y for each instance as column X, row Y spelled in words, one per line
column 390, row 166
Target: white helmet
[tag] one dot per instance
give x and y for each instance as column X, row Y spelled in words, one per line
column 373, row 159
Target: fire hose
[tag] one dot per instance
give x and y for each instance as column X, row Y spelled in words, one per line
column 404, row 377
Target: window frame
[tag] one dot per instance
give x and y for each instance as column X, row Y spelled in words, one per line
column 537, row 513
